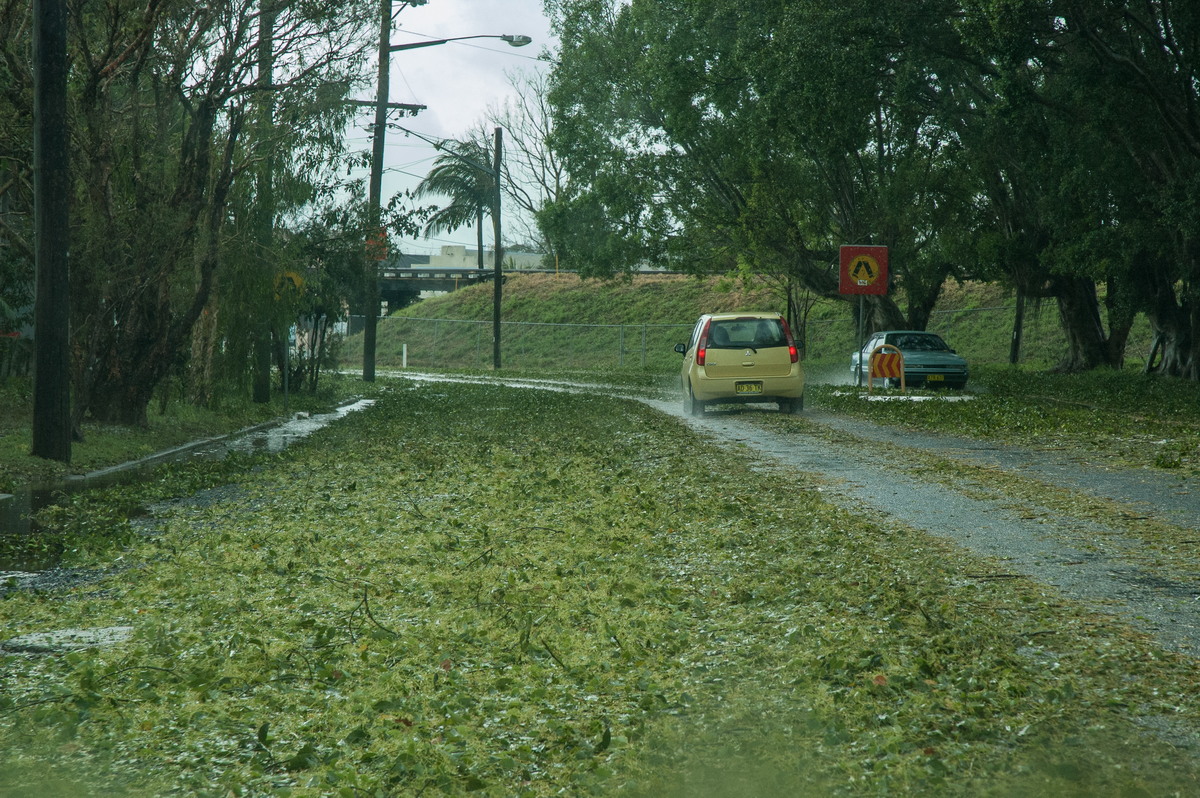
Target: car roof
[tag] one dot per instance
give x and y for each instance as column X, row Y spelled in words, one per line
column 907, row 332
column 752, row 314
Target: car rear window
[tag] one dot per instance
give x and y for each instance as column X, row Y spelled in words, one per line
column 746, row 333
column 911, row 342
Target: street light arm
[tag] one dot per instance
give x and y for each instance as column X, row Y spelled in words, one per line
column 516, row 40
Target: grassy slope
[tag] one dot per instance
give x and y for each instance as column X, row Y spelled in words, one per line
column 1138, row 420
column 975, row 318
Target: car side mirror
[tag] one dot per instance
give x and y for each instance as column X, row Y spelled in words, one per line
column 681, row 348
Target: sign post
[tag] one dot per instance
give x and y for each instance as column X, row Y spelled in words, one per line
column 864, row 270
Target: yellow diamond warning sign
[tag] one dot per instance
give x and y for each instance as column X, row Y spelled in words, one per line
column 864, row 270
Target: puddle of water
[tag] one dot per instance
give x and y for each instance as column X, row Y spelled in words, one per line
column 893, row 397
column 25, row 547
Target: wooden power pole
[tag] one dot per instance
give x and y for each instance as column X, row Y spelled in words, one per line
column 51, row 193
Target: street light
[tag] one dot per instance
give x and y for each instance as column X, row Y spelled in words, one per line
column 371, row 271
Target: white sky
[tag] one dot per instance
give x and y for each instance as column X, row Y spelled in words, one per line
column 457, row 81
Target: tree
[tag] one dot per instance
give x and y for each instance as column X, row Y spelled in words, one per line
column 1143, row 56
column 1067, row 142
column 756, row 136
column 164, row 99
column 533, row 174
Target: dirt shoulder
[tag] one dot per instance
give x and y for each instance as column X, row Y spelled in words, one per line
column 1120, row 541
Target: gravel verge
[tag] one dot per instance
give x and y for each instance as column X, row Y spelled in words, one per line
column 1088, row 561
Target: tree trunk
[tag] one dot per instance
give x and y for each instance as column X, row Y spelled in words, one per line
column 923, row 296
column 1079, row 312
column 1018, row 331
column 203, row 351
column 1121, row 315
column 1173, row 309
column 261, row 352
column 1175, row 337
column 882, row 313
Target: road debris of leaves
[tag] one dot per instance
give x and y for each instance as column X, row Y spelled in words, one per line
column 489, row 590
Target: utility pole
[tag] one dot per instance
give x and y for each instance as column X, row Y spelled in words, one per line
column 375, row 190
column 371, row 271
column 265, row 206
column 51, row 190
column 499, row 254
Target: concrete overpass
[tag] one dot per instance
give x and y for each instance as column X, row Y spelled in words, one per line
column 400, row 287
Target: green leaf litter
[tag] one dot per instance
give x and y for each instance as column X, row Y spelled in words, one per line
column 472, row 589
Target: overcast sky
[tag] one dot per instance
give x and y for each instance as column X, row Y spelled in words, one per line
column 457, row 81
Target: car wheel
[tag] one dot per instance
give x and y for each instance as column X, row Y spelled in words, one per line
column 791, row 406
column 691, row 405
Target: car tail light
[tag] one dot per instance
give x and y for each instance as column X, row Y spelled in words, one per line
column 793, row 352
column 702, row 344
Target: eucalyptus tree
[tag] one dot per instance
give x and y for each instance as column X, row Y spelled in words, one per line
column 162, row 100
column 171, row 138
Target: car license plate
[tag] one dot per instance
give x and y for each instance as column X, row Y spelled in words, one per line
column 936, row 378
column 741, row 388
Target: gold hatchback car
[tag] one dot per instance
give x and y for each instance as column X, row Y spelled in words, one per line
column 741, row 357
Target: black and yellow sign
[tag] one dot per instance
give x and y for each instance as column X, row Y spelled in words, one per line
column 864, row 270
column 288, row 284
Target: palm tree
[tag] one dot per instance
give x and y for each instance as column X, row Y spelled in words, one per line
column 471, row 189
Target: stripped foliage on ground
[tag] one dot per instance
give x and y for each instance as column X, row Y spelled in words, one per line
column 1125, row 418
column 486, row 590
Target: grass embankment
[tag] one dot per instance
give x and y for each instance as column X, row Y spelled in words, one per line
column 472, row 589
column 562, row 322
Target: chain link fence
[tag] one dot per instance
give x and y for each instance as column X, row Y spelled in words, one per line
column 453, row 343
column 982, row 335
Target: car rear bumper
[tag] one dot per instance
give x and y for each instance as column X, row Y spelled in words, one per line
column 934, row 379
column 709, row 389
